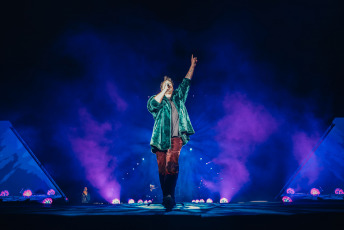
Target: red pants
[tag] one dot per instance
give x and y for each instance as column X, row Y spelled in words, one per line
column 169, row 167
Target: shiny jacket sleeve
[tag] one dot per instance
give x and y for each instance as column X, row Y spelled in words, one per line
column 183, row 89
column 153, row 106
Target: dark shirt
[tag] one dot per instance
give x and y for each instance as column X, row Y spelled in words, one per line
column 175, row 120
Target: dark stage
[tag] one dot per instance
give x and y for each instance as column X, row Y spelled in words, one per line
column 245, row 215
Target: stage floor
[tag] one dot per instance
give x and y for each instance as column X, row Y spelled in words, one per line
column 261, row 215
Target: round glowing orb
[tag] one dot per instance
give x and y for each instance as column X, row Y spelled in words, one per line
column 27, row 193
column 209, row 201
column 339, row 191
column 51, row 192
column 287, row 199
column 193, row 201
column 223, row 200
column 47, row 201
column 145, row 202
column 131, row 201
column 197, row 201
column 4, row 193
column 140, row 201
column 290, row 191
column 116, row 201
column 201, row 201
column 315, row 192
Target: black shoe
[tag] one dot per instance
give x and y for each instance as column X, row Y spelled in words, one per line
column 168, row 203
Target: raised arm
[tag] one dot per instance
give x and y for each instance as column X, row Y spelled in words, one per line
column 192, row 67
column 184, row 87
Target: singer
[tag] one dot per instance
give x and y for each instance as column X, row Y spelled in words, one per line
column 172, row 129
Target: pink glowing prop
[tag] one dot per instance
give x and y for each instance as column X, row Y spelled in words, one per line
column 140, row 201
column 149, row 201
column 131, row 201
column 339, row 191
column 47, row 201
column 287, row 199
column 209, row 201
column 315, row 192
column 27, row 193
column 223, row 200
column 116, row 201
column 197, row 201
column 4, row 193
column 51, row 192
column 145, row 202
column 201, row 201
column 290, row 191
column 193, row 201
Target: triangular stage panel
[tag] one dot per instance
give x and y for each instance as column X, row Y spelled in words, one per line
column 22, row 176
column 323, row 169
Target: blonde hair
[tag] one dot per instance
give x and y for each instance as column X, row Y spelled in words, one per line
column 166, row 79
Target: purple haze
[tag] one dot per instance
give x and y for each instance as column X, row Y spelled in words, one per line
column 91, row 146
column 302, row 147
column 303, row 144
column 121, row 105
column 244, row 125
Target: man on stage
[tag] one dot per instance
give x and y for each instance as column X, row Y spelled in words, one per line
column 172, row 128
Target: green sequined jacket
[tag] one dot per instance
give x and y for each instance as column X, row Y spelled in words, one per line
column 161, row 136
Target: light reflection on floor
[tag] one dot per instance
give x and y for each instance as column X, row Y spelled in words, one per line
column 186, row 208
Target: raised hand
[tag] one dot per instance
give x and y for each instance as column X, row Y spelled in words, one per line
column 192, row 67
column 193, row 61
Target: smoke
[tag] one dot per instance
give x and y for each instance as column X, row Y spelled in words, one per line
column 303, row 144
column 91, row 146
column 244, row 126
column 121, row 105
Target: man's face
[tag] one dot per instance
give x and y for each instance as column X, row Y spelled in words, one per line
column 170, row 90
